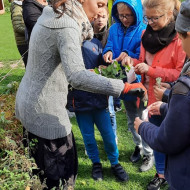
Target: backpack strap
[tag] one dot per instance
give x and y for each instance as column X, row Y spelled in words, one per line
column 183, row 85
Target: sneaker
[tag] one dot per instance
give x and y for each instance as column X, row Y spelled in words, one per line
column 148, row 162
column 119, row 172
column 156, row 183
column 117, row 109
column 97, row 171
column 136, row 156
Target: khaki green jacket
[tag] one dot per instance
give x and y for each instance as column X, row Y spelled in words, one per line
column 18, row 22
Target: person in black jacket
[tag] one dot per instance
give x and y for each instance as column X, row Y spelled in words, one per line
column 90, row 109
column 32, row 9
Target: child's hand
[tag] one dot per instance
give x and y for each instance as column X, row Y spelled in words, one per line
column 137, row 123
column 121, row 56
column 102, row 67
column 158, row 92
column 154, row 109
column 108, row 57
column 141, row 68
column 127, row 61
column 165, row 85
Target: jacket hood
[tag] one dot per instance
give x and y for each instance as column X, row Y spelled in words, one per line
column 34, row 2
column 135, row 6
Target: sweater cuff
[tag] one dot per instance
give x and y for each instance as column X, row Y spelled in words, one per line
column 150, row 71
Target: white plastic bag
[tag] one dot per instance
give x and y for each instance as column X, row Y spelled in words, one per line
column 145, row 115
column 131, row 76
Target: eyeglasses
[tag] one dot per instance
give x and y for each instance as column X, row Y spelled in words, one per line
column 153, row 19
column 128, row 17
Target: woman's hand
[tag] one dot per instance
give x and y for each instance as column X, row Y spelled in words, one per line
column 158, row 92
column 137, row 123
column 141, row 68
column 154, row 109
column 108, row 57
column 122, row 56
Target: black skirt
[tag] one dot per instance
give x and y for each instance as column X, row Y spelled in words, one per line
column 56, row 159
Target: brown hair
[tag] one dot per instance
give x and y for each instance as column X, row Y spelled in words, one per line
column 58, row 3
column 163, row 5
column 104, row 8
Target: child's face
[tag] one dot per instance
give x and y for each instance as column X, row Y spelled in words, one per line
column 126, row 16
column 186, row 43
column 157, row 20
column 101, row 21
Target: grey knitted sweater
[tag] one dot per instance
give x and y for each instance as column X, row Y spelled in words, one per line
column 55, row 59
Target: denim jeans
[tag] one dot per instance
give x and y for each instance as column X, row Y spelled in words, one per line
column 112, row 116
column 159, row 157
column 101, row 118
column 132, row 112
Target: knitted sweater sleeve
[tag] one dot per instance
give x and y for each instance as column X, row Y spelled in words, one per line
column 69, row 48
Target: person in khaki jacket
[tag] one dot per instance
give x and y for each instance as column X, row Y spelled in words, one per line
column 19, row 29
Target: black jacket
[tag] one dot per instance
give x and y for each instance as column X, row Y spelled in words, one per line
column 79, row 100
column 31, row 12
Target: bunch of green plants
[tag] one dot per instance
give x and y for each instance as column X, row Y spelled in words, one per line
column 113, row 70
column 16, row 168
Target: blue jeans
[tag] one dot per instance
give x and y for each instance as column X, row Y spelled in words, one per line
column 159, row 157
column 132, row 112
column 101, row 118
column 112, row 116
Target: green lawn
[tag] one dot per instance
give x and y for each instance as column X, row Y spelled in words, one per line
column 137, row 181
column 8, row 49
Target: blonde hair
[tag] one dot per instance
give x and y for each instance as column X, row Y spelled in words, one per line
column 121, row 6
column 163, row 5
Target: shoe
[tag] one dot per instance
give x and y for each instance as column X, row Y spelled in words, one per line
column 119, row 172
column 117, row 109
column 156, row 183
column 136, row 156
column 148, row 162
column 97, row 171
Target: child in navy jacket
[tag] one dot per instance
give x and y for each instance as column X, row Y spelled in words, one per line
column 90, row 109
column 172, row 137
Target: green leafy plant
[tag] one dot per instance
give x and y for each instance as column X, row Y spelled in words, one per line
column 158, row 81
column 12, row 87
column 16, row 168
column 3, row 120
column 114, row 71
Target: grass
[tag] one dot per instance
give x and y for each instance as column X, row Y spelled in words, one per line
column 8, row 49
column 137, row 180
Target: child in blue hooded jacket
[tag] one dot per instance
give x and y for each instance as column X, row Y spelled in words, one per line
column 124, row 40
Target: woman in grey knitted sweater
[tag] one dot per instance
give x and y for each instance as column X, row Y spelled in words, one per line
column 54, row 60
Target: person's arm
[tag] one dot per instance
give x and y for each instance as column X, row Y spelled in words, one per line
column 69, row 48
column 17, row 19
column 173, row 135
column 167, row 74
column 109, row 44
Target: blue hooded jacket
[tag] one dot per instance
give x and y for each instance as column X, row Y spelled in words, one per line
column 129, row 41
column 122, row 40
